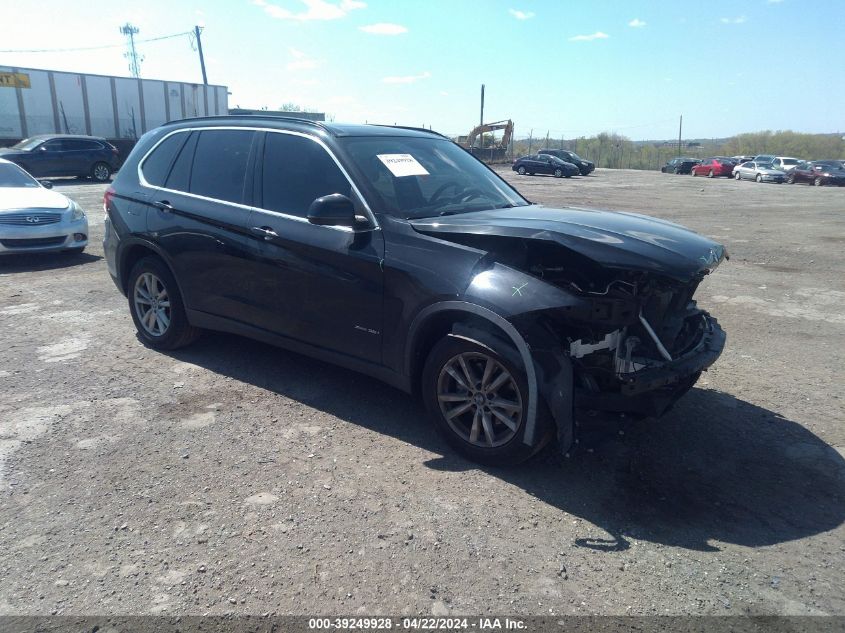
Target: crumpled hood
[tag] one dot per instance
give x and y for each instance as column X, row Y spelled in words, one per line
column 18, row 198
column 610, row 238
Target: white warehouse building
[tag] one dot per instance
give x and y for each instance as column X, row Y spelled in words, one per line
column 34, row 101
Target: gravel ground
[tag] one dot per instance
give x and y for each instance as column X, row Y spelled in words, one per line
column 231, row 477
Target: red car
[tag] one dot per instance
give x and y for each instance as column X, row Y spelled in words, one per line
column 715, row 166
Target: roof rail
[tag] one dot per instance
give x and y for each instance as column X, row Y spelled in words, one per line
column 418, row 129
column 263, row 117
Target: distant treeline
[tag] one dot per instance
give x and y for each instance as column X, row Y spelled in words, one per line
column 619, row 152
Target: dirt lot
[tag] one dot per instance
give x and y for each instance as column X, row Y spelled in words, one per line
column 233, row 477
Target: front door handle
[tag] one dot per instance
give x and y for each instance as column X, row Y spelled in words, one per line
column 266, row 231
column 164, row 205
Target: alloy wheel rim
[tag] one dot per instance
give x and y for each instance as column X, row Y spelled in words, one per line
column 479, row 400
column 101, row 172
column 152, row 304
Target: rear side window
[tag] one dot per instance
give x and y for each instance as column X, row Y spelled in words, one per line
column 220, row 163
column 180, row 174
column 296, row 172
column 157, row 165
column 79, row 144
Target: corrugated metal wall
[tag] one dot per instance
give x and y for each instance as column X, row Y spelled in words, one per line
column 51, row 102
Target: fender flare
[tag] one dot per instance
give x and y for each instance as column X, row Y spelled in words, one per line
column 126, row 244
column 504, row 325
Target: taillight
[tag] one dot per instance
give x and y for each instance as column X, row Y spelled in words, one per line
column 107, row 198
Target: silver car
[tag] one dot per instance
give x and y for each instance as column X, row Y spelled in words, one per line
column 35, row 219
column 761, row 172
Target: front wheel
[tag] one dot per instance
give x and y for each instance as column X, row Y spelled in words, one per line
column 818, row 182
column 521, row 170
column 759, row 178
column 558, row 173
column 101, row 172
column 710, row 174
column 479, row 401
column 737, row 176
column 156, row 306
column 791, row 179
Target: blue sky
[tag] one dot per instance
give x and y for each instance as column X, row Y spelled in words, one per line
column 566, row 67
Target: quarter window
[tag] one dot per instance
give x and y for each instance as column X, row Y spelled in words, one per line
column 157, row 165
column 220, row 163
column 297, row 171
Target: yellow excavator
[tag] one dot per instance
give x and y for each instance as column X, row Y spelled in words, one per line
column 475, row 135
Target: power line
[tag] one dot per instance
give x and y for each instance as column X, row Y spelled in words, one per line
column 93, row 48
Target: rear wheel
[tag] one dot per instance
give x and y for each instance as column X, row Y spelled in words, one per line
column 818, row 182
column 791, row 179
column 479, row 401
column 692, row 172
column 521, row 170
column 759, row 178
column 710, row 174
column 101, row 172
column 156, row 306
column 737, row 176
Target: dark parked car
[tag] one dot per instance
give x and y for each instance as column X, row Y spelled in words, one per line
column 64, row 155
column 396, row 253
column 679, row 165
column 541, row 164
column 818, row 173
column 585, row 166
column 713, row 167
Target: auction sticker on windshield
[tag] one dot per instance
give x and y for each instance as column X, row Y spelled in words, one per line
column 402, row 165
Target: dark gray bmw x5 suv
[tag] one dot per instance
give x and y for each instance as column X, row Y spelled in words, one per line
column 394, row 252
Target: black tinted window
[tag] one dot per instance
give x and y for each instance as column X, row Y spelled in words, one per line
column 180, row 174
column 220, row 162
column 74, row 144
column 157, row 165
column 296, row 172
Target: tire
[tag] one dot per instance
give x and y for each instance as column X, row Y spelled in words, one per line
column 692, row 172
column 710, row 174
column 790, row 179
column 521, row 170
column 101, row 172
column 737, row 176
column 170, row 331
column 494, row 442
column 759, row 178
column 818, row 182
column 558, row 173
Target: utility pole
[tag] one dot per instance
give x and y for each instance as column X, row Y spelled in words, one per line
column 481, row 122
column 530, row 139
column 132, row 55
column 197, row 31
column 680, row 129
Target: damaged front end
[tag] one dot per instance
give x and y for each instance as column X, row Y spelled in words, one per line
column 605, row 302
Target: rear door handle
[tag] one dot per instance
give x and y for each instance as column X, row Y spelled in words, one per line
column 164, row 205
column 266, row 231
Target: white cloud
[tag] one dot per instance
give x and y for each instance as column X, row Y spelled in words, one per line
column 407, row 79
column 384, row 28
column 444, row 93
column 598, row 35
column 521, row 15
column 637, row 23
column 301, row 61
column 737, row 20
column 314, row 9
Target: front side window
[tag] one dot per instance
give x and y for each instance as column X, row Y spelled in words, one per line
column 220, row 163
column 296, row 171
column 413, row 177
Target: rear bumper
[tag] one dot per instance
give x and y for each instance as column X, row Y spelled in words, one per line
column 654, row 390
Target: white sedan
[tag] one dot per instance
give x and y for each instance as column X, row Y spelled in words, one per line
column 761, row 172
column 35, row 219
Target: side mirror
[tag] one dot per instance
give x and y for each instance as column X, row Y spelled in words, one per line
column 334, row 210
column 42, row 148
column 46, row 184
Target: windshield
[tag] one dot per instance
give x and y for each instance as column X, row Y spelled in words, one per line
column 14, row 176
column 575, row 156
column 415, row 177
column 790, row 161
column 29, row 143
